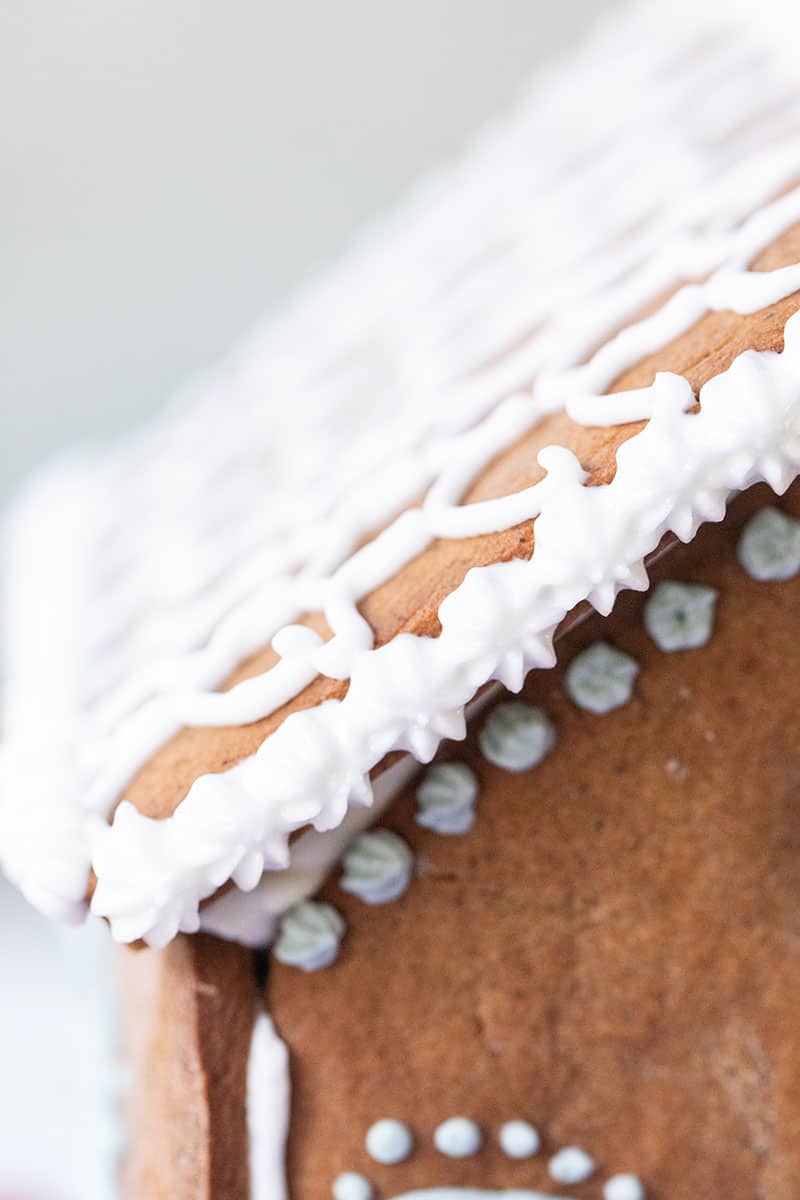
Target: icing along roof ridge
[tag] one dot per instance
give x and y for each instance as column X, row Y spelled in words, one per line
column 456, row 459
column 499, row 623
column 438, row 326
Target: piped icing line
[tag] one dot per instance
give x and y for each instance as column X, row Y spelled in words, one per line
column 462, row 311
column 467, row 1193
column 407, row 695
column 268, row 1111
column 224, row 652
column 147, row 727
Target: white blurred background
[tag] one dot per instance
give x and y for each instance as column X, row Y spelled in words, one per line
column 169, row 169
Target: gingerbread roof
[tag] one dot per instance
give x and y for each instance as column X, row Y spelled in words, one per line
column 569, row 347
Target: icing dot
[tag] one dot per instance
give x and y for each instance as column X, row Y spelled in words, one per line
column 769, row 547
column 351, row 1186
column 377, row 867
column 446, row 798
column 517, row 736
column 600, row 678
column 389, row 1141
column 310, row 934
column 518, row 1139
column 570, row 1165
column 624, row 1187
column 680, row 616
column 458, row 1138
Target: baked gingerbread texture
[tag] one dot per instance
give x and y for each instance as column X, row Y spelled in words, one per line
column 415, row 699
column 609, row 952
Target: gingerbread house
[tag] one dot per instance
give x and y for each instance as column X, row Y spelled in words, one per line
column 417, row 697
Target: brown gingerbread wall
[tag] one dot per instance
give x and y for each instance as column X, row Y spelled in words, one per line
column 409, row 602
column 188, row 1016
column 612, row 952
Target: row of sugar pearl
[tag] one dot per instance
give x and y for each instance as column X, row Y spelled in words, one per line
column 390, row 1141
column 517, row 736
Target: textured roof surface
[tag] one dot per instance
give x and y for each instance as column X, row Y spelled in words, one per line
column 484, row 416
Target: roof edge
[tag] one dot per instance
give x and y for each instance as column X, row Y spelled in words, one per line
column 591, row 543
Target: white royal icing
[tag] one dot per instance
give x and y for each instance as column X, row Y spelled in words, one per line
column 571, row 1165
column 268, row 1109
column 139, row 580
column 458, row 1137
column 466, row 1193
column 519, row 1139
column 377, row 866
column 352, row 1186
column 624, row 1187
column 601, row 678
column 446, row 798
column 389, row 1141
column 309, row 936
column 680, row 616
column 517, row 736
column 769, row 546
column 252, row 917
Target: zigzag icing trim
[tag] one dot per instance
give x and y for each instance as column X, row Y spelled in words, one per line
column 407, row 695
column 175, row 601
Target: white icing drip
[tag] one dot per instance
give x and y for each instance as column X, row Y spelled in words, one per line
column 620, row 408
column 44, row 846
column 446, row 798
column 680, row 616
column 309, row 937
column 571, row 1165
column 377, row 866
column 389, row 1141
column 624, row 1187
column 458, row 1137
column 441, row 339
column 769, row 547
column 519, row 1139
column 677, row 472
column 268, row 1108
column 601, row 678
